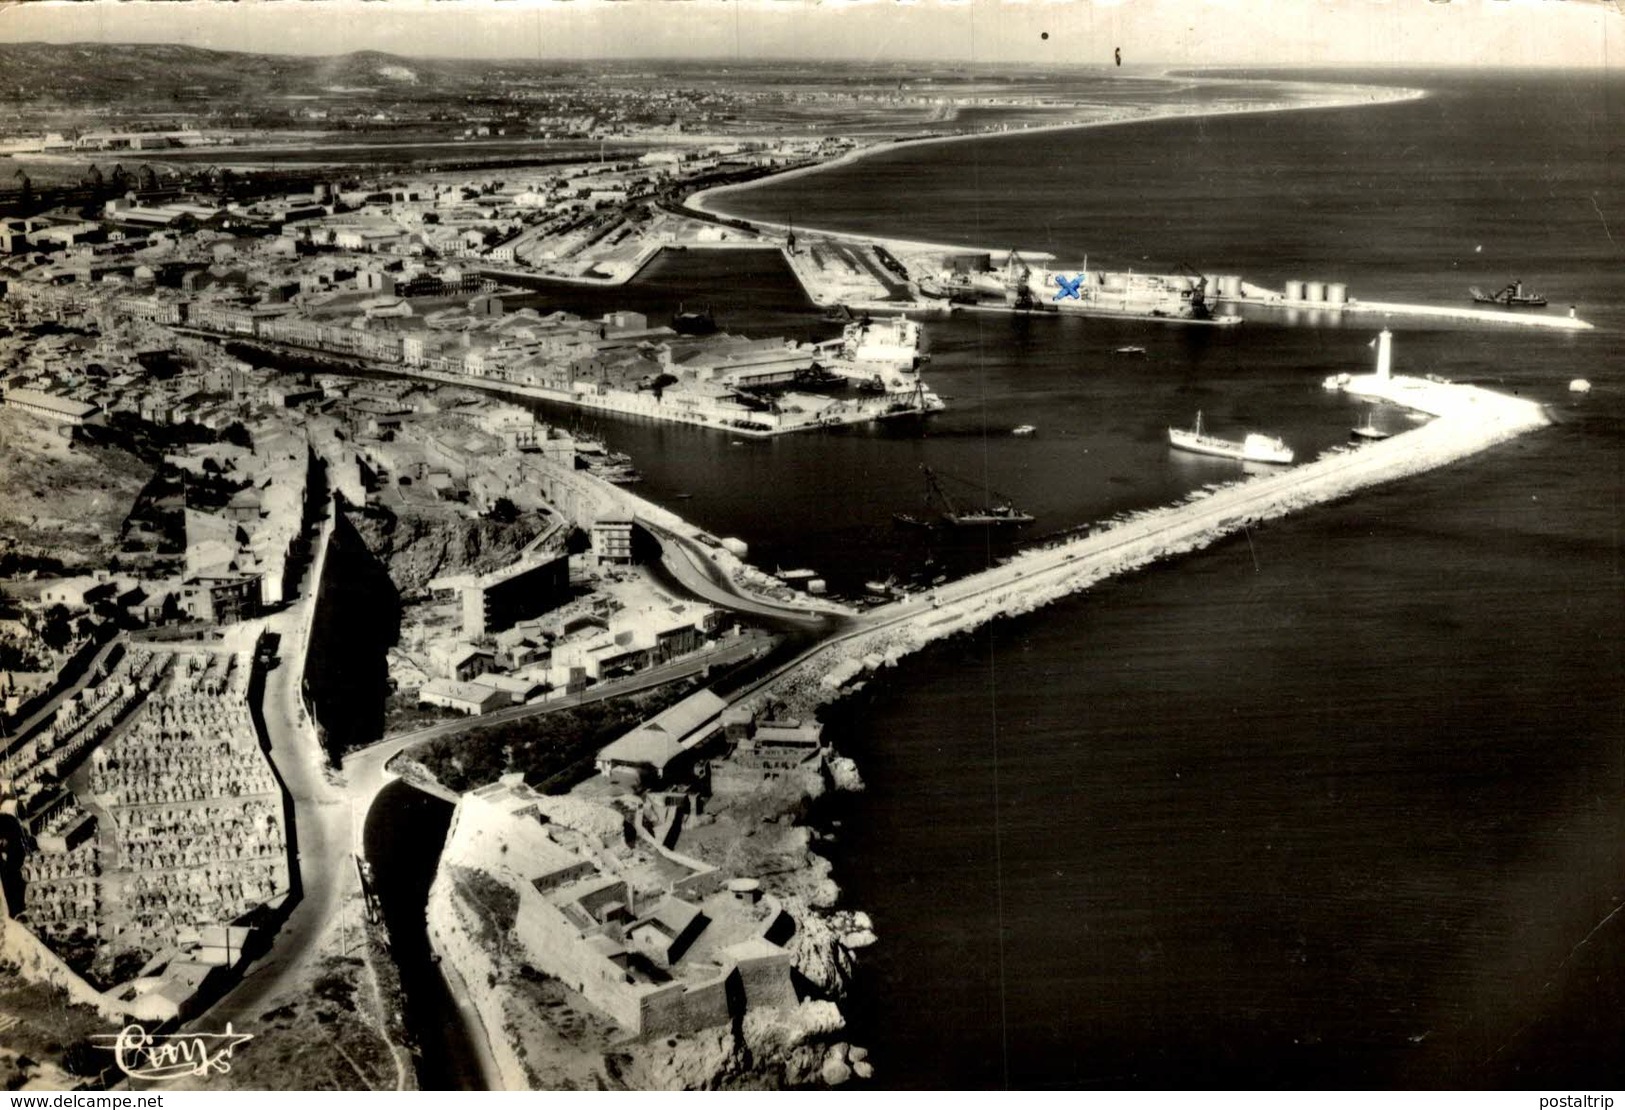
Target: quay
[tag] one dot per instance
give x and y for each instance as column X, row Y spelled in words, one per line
column 1266, row 298
column 760, row 425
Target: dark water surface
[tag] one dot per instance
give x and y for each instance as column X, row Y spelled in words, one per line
column 1339, row 802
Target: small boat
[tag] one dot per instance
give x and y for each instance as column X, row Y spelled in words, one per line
column 1255, row 448
column 1579, row 385
column 1368, row 430
column 1513, row 296
column 1129, row 350
column 684, row 496
column 1023, row 430
column 910, row 521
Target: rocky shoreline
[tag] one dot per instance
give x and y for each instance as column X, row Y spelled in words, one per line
column 541, row 1035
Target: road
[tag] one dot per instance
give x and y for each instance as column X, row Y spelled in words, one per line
column 689, row 563
column 327, row 876
column 365, row 771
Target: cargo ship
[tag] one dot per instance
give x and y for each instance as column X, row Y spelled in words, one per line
column 1032, row 286
column 1255, row 448
column 882, row 356
column 1513, row 296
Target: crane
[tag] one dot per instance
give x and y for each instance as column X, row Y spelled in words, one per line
column 1197, row 296
column 1000, row 511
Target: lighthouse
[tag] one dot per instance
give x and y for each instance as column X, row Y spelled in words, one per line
column 1385, row 355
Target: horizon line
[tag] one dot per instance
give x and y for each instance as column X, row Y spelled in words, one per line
column 1167, row 65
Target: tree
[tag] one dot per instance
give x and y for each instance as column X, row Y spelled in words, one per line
column 121, row 178
column 93, row 178
column 56, row 633
column 504, row 511
column 235, row 433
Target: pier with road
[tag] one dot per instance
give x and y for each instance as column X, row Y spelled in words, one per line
column 1464, row 420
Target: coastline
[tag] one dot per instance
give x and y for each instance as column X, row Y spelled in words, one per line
column 1062, row 581
column 705, row 200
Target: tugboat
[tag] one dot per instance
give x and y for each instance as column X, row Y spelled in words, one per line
column 1255, row 448
column 1512, row 296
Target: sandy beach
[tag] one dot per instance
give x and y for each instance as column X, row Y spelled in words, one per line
column 1334, row 96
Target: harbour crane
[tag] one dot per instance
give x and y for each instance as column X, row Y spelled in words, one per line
column 1197, row 294
column 1017, row 274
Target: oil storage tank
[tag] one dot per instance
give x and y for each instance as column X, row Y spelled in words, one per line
column 1294, row 291
column 1337, row 292
column 1230, row 286
column 1314, row 291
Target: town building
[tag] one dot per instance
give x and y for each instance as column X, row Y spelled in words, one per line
column 652, row 752
column 221, row 599
column 530, row 587
column 48, row 406
column 464, row 697
column 612, row 540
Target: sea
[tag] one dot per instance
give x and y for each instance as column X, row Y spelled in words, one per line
column 1337, row 802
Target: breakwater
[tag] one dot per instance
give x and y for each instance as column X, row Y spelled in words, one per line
column 1473, row 420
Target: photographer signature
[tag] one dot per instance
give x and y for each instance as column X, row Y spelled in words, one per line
column 143, row 1055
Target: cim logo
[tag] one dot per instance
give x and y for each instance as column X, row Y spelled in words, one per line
column 1069, row 287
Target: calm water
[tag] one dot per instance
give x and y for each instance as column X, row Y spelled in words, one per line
column 1339, row 802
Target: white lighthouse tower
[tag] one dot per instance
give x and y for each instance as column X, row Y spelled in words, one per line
column 1385, row 355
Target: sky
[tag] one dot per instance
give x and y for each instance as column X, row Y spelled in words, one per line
column 1589, row 33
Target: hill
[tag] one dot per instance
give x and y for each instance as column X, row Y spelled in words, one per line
column 99, row 73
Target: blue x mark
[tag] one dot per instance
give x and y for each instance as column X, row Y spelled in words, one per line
column 1069, row 288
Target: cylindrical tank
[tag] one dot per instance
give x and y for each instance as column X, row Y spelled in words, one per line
column 816, row 586
column 1294, row 290
column 736, row 547
column 323, row 192
column 1231, row 285
column 1314, row 291
column 1211, row 289
column 1337, row 293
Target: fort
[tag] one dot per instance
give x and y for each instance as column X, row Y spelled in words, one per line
column 655, row 940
